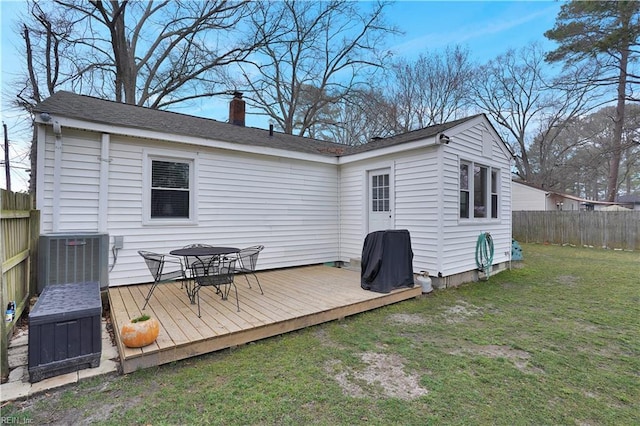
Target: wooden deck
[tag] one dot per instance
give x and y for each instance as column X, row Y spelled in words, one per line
column 293, row 298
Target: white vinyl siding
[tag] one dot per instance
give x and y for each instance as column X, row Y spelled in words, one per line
column 289, row 206
column 78, row 184
column 418, row 204
column 416, row 201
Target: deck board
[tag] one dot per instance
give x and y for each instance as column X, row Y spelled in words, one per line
column 294, row 298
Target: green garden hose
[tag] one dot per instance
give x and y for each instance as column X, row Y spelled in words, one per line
column 484, row 253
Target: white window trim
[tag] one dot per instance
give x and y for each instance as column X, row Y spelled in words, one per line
column 149, row 155
column 488, row 193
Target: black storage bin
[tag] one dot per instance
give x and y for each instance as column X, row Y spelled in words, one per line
column 64, row 330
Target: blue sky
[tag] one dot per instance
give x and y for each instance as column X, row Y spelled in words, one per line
column 486, row 28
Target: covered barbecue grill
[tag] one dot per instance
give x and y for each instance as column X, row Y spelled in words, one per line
column 387, row 261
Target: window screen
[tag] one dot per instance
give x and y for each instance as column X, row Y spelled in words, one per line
column 169, row 189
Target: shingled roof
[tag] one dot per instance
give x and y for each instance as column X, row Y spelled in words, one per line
column 409, row 136
column 102, row 111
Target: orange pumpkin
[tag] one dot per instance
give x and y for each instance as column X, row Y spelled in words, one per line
column 140, row 332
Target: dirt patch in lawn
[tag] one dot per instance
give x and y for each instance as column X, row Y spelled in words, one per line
column 519, row 358
column 414, row 319
column 461, row 312
column 324, row 338
column 382, row 376
column 568, row 280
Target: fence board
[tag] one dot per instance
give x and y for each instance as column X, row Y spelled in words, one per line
column 614, row 230
column 19, row 229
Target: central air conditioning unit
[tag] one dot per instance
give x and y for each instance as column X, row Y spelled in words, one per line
column 65, row 258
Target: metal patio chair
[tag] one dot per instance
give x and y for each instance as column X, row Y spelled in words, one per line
column 247, row 259
column 164, row 268
column 217, row 273
column 188, row 260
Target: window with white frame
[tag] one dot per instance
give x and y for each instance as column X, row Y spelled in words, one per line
column 478, row 191
column 169, row 188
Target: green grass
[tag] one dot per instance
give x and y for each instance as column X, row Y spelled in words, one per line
column 555, row 342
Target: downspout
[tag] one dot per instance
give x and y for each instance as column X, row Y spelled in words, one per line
column 103, row 197
column 40, row 160
column 441, row 217
column 339, row 167
column 57, row 171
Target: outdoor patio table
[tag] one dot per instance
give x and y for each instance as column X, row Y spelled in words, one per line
column 201, row 253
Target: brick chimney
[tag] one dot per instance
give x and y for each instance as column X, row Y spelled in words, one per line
column 236, row 109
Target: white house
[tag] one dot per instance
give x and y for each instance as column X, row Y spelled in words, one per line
column 528, row 197
column 159, row 180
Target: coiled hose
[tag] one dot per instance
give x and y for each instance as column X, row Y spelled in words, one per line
column 484, row 253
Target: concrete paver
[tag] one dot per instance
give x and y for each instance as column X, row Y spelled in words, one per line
column 53, row 382
column 18, row 385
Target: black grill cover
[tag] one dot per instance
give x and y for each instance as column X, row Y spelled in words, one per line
column 387, row 261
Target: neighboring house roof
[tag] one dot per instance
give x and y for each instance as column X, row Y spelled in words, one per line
column 102, row 111
column 568, row 196
column 616, row 208
column 628, row 199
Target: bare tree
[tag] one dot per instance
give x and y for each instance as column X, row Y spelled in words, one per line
column 514, row 90
column 432, row 89
column 47, row 65
column 323, row 48
column 161, row 53
column 155, row 53
column 48, row 49
column 365, row 115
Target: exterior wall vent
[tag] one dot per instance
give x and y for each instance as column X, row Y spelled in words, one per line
column 65, row 258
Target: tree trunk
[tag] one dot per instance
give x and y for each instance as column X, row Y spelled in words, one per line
column 125, row 68
column 616, row 151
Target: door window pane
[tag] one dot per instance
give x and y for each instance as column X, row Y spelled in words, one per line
column 380, row 193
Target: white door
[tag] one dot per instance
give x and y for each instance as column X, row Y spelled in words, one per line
column 380, row 200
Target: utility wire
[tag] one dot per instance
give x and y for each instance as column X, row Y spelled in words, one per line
column 7, row 165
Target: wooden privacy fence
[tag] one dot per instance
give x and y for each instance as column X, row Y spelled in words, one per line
column 614, row 230
column 20, row 228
